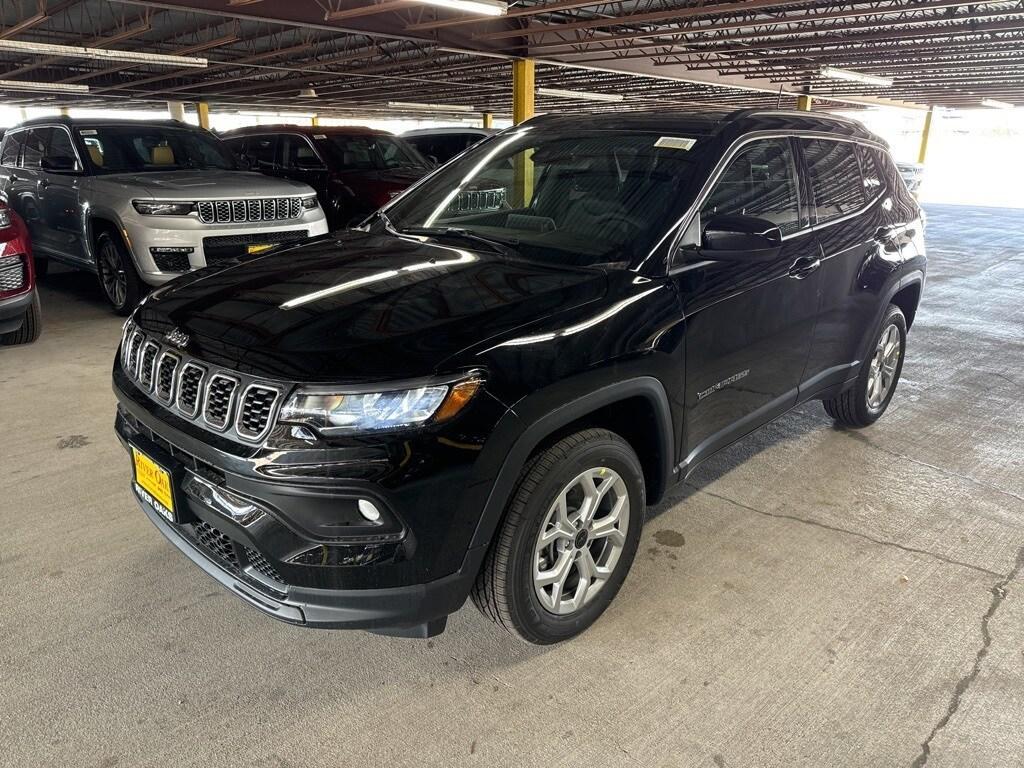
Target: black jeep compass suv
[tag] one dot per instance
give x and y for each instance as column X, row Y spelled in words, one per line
column 477, row 394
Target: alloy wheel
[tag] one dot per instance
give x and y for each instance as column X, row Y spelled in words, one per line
column 882, row 372
column 115, row 281
column 581, row 540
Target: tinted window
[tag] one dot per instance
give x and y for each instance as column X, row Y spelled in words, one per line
column 262, row 151
column 60, row 146
column 372, row 152
column 35, row 147
column 874, row 181
column 298, row 153
column 445, row 146
column 11, row 148
column 760, row 181
column 836, row 182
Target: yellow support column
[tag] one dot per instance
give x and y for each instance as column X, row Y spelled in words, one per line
column 523, row 92
column 64, row 112
column 487, row 120
column 203, row 110
column 803, row 102
column 315, row 120
column 925, row 132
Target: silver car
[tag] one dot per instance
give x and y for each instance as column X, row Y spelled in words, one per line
column 140, row 203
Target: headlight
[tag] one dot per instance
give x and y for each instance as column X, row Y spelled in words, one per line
column 154, row 208
column 309, row 203
column 5, row 218
column 351, row 412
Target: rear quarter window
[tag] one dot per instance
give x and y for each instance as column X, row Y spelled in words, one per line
column 836, row 184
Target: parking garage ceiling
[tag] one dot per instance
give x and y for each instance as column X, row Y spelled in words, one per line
column 361, row 57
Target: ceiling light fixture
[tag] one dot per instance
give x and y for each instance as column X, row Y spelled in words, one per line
column 430, row 107
column 996, row 104
column 835, row 73
column 80, row 52
column 483, row 7
column 29, row 85
column 284, row 115
column 585, row 95
column 307, row 93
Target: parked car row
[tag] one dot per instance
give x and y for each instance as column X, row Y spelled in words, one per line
column 141, row 203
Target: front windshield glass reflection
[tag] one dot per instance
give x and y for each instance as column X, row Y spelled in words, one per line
column 594, row 198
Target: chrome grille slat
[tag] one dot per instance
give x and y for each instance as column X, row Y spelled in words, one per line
column 147, row 364
column 245, row 210
column 256, row 411
column 190, row 382
column 219, row 402
column 134, row 347
column 166, row 367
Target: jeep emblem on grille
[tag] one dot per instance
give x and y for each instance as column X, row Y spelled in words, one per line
column 177, row 337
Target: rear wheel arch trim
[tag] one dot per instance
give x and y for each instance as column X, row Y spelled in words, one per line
column 647, row 387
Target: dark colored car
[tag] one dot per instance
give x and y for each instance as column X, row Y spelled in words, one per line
column 353, row 170
column 442, row 144
column 20, row 315
column 365, row 431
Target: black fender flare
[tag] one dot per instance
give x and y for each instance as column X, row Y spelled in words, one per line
column 542, row 421
column 910, row 278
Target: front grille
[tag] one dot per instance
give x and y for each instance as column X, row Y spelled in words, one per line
column 257, row 408
column 218, row 400
column 241, row 211
column 172, row 262
column 220, row 248
column 13, row 275
column 147, row 364
column 261, row 564
column 188, row 389
column 220, row 396
column 216, row 544
column 165, row 370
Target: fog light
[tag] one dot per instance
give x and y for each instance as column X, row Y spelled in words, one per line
column 170, row 251
column 369, row 511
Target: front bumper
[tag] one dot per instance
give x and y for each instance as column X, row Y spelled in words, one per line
column 147, row 232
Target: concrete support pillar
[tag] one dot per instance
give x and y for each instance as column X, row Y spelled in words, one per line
column 487, row 120
column 803, row 102
column 925, row 132
column 176, row 110
column 22, row 114
column 522, row 90
column 203, row 109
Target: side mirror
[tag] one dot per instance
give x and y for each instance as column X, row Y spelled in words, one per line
column 59, row 163
column 735, row 237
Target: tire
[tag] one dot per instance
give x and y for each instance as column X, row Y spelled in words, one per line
column 118, row 278
column 30, row 327
column 507, row 589
column 863, row 404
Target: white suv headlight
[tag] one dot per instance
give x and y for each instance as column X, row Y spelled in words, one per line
column 342, row 413
column 309, row 203
column 156, row 208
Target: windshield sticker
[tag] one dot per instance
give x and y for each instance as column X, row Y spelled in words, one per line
column 675, row 142
column 87, row 132
column 319, row 136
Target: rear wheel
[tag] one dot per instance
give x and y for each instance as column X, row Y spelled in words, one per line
column 118, row 278
column 864, row 402
column 568, row 540
column 30, row 327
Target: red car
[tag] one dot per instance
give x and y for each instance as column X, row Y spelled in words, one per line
column 20, row 318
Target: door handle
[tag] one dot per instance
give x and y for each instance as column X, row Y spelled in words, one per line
column 804, row 267
column 44, row 183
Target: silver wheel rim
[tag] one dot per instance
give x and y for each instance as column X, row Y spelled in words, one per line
column 115, row 282
column 581, row 540
column 882, row 373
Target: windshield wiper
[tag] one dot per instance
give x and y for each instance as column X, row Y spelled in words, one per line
column 504, row 247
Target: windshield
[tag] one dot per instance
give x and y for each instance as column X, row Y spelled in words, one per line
column 593, row 198
column 142, row 148
column 371, row 152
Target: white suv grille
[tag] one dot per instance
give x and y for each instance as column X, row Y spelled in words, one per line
column 241, row 211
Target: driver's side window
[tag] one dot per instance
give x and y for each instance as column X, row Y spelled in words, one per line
column 759, row 181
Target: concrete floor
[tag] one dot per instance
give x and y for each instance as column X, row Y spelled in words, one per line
column 814, row 597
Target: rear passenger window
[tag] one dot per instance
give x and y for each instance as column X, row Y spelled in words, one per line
column 760, row 181
column 35, row 147
column 836, row 183
column 870, row 173
column 11, row 148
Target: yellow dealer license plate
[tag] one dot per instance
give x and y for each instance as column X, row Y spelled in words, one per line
column 155, row 481
column 254, row 249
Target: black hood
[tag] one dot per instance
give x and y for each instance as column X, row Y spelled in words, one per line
column 359, row 307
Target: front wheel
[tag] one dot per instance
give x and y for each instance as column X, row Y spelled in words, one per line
column 118, row 278
column 864, row 402
column 31, row 326
column 568, row 540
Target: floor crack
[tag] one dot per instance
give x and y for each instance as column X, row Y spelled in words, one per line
column 848, row 532
column 999, row 592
